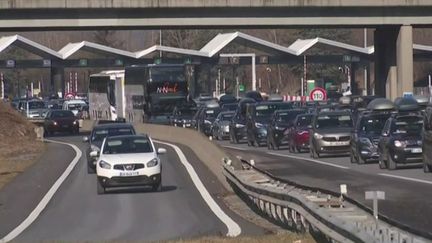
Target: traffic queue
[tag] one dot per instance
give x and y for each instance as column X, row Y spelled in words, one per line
column 367, row 129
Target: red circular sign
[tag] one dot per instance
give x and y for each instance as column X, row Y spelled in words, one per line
column 318, row 94
column 69, row 96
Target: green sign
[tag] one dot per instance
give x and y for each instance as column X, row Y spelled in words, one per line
column 188, row 60
column 83, row 62
column 348, row 58
column 118, row 62
column 157, row 60
column 241, row 87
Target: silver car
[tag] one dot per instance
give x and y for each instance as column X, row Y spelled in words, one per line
column 331, row 133
column 220, row 127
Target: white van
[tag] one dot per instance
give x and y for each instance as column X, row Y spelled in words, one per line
column 74, row 105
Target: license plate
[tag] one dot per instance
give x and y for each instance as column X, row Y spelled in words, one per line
column 338, row 143
column 129, row 173
column 416, row 150
column 188, row 125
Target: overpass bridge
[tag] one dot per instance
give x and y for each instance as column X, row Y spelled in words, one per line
column 394, row 22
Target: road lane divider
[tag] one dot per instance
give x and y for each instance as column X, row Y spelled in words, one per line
column 233, row 228
column 406, row 178
column 309, row 160
column 48, row 196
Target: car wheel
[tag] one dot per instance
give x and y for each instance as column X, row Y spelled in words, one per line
column 315, row 154
column 381, row 162
column 426, row 168
column 391, row 163
column 250, row 143
column 353, row 158
column 361, row 161
column 158, row 187
column 269, row 145
column 256, row 143
column 100, row 188
column 297, row 149
column 90, row 170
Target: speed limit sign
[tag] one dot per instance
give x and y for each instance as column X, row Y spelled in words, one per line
column 318, row 94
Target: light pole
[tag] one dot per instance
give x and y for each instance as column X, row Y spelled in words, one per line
column 268, row 69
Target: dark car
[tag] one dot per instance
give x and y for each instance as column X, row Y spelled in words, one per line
column 330, row 133
column 99, row 133
column 254, row 95
column 227, row 99
column 281, row 121
column 220, row 127
column 367, row 131
column 237, row 126
column 182, row 116
column 258, row 116
column 298, row 134
column 206, row 119
column 401, row 141
column 60, row 121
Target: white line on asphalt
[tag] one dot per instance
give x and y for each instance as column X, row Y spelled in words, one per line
column 406, row 178
column 233, row 228
column 310, row 160
column 232, row 147
column 48, row 196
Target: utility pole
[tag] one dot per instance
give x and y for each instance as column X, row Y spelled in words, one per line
column 365, row 74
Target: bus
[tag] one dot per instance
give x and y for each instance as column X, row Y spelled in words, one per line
column 156, row 89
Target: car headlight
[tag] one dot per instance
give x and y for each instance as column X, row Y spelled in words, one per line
column 238, row 125
column 152, row 162
column 94, row 148
column 105, row 165
column 279, row 128
column 258, row 125
column 75, row 122
column 207, row 122
column 55, row 123
column 399, row 144
column 365, row 141
column 318, row 136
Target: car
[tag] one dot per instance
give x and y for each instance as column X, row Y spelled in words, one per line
column 258, row 116
column 401, row 141
column 60, row 121
column 254, row 95
column 227, row 99
column 367, row 130
column 33, row 108
column 182, row 116
column 427, row 140
column 237, row 126
column 298, row 134
column 220, row 127
column 330, row 133
column 128, row 160
column 99, row 133
column 76, row 106
column 207, row 117
column 277, row 129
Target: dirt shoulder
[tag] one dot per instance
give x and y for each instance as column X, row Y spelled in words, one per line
column 18, row 145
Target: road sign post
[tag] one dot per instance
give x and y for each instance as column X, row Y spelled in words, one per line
column 318, row 94
column 375, row 196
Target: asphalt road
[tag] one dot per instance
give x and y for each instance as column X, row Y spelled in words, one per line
column 408, row 189
column 77, row 213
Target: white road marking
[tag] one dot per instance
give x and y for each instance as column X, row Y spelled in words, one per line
column 406, row 178
column 236, row 148
column 310, row 160
column 48, row 196
column 233, row 228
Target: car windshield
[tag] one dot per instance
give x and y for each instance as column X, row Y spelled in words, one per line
column 127, row 145
column 289, row 116
column 75, row 106
column 61, row 114
column 226, row 117
column 304, row 121
column 326, row 121
column 36, row 105
column 187, row 112
column 409, row 124
column 372, row 125
column 101, row 133
column 265, row 110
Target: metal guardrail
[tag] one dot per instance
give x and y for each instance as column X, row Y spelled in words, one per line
column 313, row 210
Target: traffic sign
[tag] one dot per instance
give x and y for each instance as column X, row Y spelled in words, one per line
column 318, row 94
column 241, row 87
column 408, row 94
column 69, row 96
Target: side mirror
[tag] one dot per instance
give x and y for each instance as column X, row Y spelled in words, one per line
column 85, row 139
column 94, row 154
column 161, row 151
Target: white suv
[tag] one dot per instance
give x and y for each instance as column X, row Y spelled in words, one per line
column 129, row 160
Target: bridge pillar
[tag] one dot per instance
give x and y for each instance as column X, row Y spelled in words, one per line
column 405, row 60
column 393, row 61
column 57, row 80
